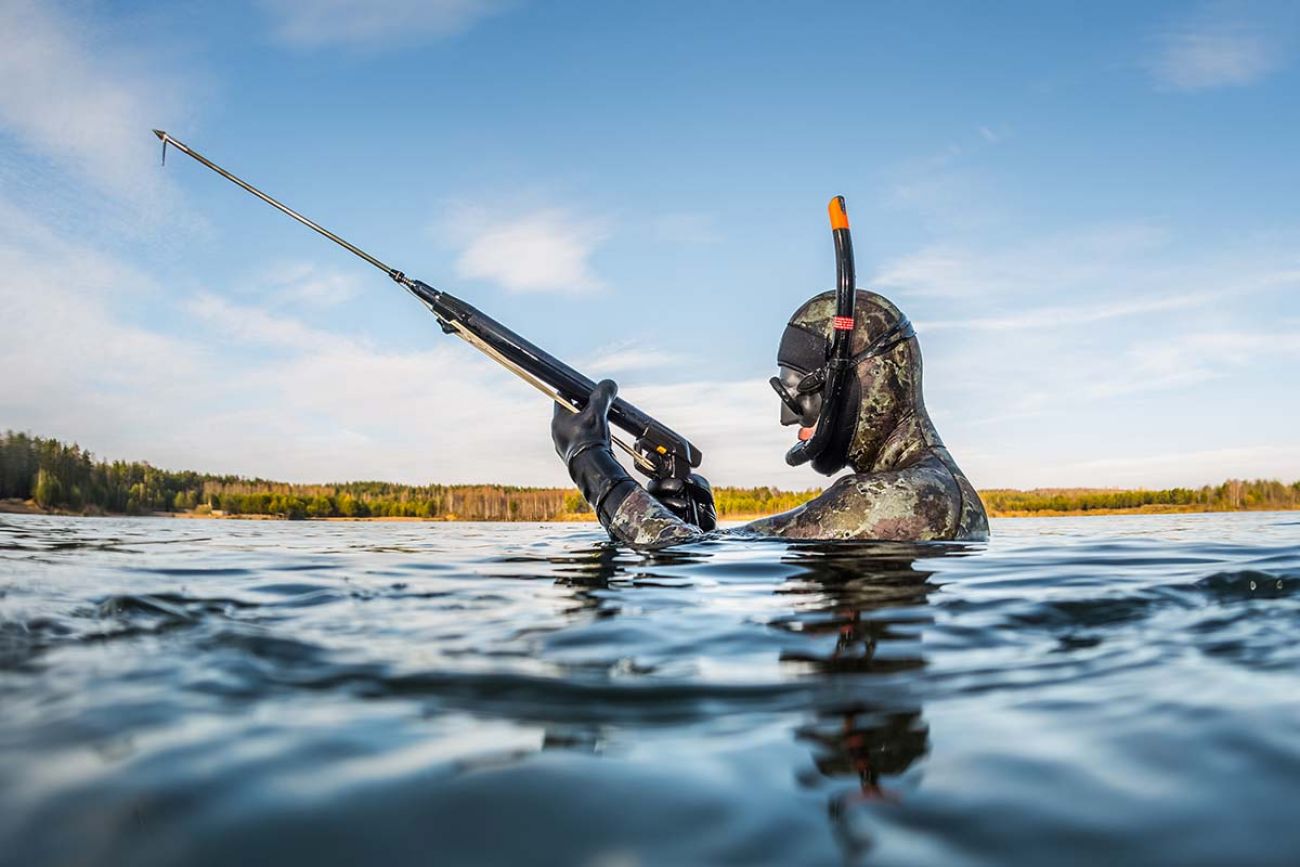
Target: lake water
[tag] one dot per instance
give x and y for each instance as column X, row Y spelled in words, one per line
column 1121, row 690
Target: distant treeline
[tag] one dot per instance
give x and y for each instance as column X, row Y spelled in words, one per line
column 65, row 477
column 1231, row 496
column 60, row 476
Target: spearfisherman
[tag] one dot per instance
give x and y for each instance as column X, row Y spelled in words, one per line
column 849, row 374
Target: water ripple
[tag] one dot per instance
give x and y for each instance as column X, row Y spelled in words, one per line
column 1103, row 689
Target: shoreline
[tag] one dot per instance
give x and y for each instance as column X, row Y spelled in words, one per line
column 29, row 507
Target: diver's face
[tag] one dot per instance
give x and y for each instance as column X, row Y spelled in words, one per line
column 810, row 405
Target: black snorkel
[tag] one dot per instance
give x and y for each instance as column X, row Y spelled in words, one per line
column 839, row 362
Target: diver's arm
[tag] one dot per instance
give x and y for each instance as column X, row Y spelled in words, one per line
column 643, row 522
column 627, row 511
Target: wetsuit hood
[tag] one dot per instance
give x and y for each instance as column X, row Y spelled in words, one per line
column 884, row 390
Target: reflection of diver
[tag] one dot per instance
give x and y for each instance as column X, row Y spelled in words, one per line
column 868, row 745
column 850, row 376
column 855, row 614
column 867, row 596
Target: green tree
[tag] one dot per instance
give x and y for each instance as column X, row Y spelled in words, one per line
column 49, row 492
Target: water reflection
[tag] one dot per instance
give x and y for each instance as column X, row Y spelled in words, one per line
column 856, row 610
column 871, row 599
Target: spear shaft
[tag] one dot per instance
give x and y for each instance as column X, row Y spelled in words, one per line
column 658, row 451
column 311, row 224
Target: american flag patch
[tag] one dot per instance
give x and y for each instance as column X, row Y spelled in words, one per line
column 842, row 323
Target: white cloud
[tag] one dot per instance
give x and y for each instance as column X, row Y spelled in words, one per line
column 1088, row 396
column 629, row 356
column 735, row 424
column 946, row 186
column 255, row 325
column 1184, row 359
column 323, row 407
column 442, row 414
column 307, row 283
column 1125, row 272
column 1215, row 53
column 1055, row 264
column 65, row 97
column 1043, row 352
column 1192, row 468
column 375, row 23
column 546, row 250
column 1069, row 316
column 66, row 357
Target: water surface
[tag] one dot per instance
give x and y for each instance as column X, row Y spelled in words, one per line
column 1122, row 690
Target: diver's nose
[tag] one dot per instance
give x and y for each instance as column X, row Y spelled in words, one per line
column 787, row 416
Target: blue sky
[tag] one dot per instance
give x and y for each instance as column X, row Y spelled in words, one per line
column 1089, row 210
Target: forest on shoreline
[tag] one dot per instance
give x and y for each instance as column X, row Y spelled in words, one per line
column 57, row 477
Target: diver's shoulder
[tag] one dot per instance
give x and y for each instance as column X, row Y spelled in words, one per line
column 929, row 468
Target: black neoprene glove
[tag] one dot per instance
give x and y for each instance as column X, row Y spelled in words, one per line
column 582, row 441
column 679, row 495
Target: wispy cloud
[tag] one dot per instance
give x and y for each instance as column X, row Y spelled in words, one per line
column 946, row 185
column 1042, row 351
column 625, row 357
column 375, row 23
column 547, row 250
column 1070, row 316
column 67, row 99
column 1195, row 467
column 1122, row 271
column 1055, row 263
column 245, row 323
column 350, row 409
column 306, row 283
column 68, row 356
column 90, row 369
column 740, row 433
column 1215, row 52
column 1190, row 358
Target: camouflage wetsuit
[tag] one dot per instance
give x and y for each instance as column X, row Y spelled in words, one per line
column 905, row 484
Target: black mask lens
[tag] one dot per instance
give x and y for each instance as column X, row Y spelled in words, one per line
column 788, row 398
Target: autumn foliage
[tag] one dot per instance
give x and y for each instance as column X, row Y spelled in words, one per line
column 57, row 476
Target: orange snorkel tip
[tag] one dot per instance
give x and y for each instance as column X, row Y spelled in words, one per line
column 839, row 216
